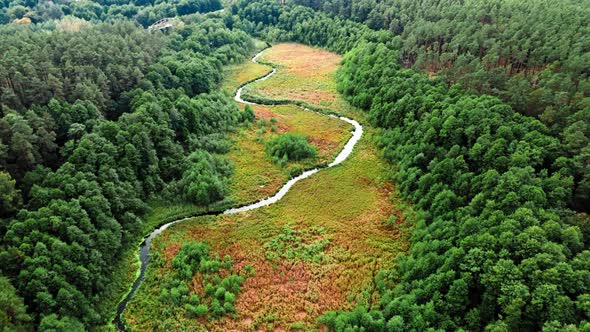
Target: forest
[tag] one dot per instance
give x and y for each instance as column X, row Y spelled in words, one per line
column 143, row 12
column 481, row 110
column 82, row 153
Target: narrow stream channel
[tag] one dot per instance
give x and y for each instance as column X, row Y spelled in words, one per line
column 144, row 248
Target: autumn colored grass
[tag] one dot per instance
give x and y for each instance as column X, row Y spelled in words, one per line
column 317, row 249
column 303, row 74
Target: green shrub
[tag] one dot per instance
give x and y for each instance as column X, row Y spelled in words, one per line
column 197, row 310
column 249, row 269
column 262, row 123
column 202, row 310
column 289, row 147
column 175, row 296
column 217, row 309
column 291, row 244
column 229, row 297
column 297, row 326
column 219, row 294
column 229, row 307
column 295, row 171
column 248, row 114
column 165, row 295
column 209, row 290
column 194, row 299
column 232, row 283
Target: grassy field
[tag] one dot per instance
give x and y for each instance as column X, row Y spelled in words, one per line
column 256, row 176
column 319, row 248
column 237, row 75
column 293, row 63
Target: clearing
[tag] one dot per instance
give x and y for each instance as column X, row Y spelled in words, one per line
column 317, row 249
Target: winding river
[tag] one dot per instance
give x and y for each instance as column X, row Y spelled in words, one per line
column 144, row 249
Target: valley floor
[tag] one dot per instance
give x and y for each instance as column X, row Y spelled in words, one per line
column 317, row 249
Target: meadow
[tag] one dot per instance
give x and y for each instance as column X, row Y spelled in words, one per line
column 294, row 62
column 320, row 248
column 255, row 175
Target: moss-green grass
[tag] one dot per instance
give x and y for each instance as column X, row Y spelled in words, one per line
column 255, row 175
column 236, row 75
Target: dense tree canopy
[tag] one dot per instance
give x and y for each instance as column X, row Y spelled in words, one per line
column 96, row 64
column 94, row 122
column 13, row 312
column 144, row 12
column 493, row 187
column 301, row 24
column 532, row 54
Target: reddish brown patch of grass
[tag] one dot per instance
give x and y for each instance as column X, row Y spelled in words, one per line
column 323, row 145
column 283, row 289
column 171, row 251
column 267, row 114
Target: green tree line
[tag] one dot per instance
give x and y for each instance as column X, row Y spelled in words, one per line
column 145, row 12
column 126, row 115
